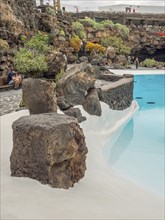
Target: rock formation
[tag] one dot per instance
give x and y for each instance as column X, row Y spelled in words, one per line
column 39, row 96
column 74, row 85
column 16, row 18
column 76, row 113
column 49, row 148
column 92, row 103
column 56, row 64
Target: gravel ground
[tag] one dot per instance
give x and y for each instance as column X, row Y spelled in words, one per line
column 9, row 101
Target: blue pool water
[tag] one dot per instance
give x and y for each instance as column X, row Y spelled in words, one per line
column 137, row 151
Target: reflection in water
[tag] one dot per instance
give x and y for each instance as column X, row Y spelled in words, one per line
column 122, row 142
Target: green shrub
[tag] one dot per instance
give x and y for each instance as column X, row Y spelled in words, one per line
column 4, row 44
column 29, row 63
column 107, row 23
column 151, row 63
column 89, row 21
column 79, row 29
column 124, row 29
column 24, row 38
column 117, row 43
column 38, row 43
column 62, row 33
column 96, row 25
column 31, row 60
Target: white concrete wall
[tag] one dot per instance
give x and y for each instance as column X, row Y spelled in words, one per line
column 138, row 8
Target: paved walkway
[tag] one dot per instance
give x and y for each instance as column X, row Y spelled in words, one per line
column 9, row 101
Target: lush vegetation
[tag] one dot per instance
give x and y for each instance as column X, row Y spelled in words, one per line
column 151, row 63
column 96, row 25
column 27, row 61
column 124, row 30
column 79, row 29
column 31, row 60
column 107, row 23
column 94, row 46
column 117, row 43
column 38, row 43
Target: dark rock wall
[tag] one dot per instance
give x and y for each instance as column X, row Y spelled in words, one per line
column 118, row 95
column 17, row 16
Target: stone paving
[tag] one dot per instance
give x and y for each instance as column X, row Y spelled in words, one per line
column 9, row 101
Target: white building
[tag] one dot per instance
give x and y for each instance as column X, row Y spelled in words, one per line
column 133, row 8
column 69, row 8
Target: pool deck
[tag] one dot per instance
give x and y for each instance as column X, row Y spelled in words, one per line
column 140, row 71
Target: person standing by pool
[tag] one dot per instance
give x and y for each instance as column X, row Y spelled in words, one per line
column 137, row 62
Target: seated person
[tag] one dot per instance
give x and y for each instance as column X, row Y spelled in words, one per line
column 17, row 80
column 14, row 78
column 10, row 77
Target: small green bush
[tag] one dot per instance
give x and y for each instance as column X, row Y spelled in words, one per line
column 39, row 43
column 4, row 44
column 96, row 25
column 24, row 38
column 27, row 62
column 31, row 60
column 62, row 33
column 79, row 29
column 124, row 29
column 117, row 43
column 151, row 63
column 89, row 21
column 107, row 23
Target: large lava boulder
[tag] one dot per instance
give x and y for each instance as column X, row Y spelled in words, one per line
column 39, row 96
column 49, row 148
column 74, row 85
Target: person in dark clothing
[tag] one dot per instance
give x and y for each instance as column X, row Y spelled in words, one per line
column 10, row 76
column 137, row 62
column 14, row 79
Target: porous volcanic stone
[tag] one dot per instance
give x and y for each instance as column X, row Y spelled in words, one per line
column 39, row 96
column 50, row 148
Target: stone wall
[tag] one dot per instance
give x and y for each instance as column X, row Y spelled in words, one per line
column 124, row 18
column 118, row 94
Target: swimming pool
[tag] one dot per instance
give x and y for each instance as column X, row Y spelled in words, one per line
column 137, row 151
